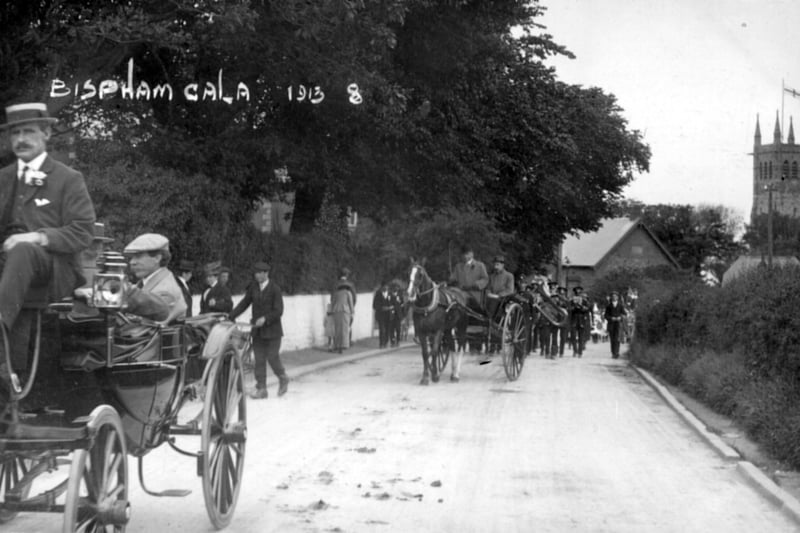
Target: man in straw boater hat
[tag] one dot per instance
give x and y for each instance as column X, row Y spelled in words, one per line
column 46, row 219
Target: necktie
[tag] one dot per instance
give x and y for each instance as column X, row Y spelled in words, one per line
column 24, row 174
column 139, row 284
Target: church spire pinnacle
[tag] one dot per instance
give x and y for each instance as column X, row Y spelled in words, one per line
column 776, row 135
column 758, row 132
column 790, row 137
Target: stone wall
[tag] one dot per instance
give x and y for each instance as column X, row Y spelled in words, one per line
column 304, row 315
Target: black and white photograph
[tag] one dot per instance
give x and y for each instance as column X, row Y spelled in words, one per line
column 344, row 266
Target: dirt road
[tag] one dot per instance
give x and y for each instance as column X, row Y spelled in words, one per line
column 573, row 445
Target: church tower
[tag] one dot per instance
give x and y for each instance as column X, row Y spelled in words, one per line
column 776, row 166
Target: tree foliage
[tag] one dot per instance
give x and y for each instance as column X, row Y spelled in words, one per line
column 699, row 237
column 459, row 113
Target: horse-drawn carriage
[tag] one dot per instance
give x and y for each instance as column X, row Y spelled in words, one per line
column 123, row 385
column 438, row 310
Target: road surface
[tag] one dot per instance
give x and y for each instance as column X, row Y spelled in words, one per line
column 573, row 445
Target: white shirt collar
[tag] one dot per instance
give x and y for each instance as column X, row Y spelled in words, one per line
column 33, row 164
column 263, row 285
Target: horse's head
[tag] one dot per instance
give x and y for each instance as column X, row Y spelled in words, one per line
column 417, row 280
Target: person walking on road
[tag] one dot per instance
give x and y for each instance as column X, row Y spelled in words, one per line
column 615, row 312
column 579, row 321
column 267, row 300
column 342, row 307
column 383, row 307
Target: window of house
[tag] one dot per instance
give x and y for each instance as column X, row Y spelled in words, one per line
column 637, row 250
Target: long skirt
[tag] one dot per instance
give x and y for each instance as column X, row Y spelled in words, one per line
column 341, row 330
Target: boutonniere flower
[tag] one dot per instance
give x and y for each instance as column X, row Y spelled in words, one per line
column 35, row 178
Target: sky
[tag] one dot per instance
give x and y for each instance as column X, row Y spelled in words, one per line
column 691, row 75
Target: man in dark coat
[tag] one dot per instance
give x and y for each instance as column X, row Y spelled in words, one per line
column 183, row 275
column 267, row 301
column 383, row 305
column 579, row 320
column 614, row 314
column 47, row 218
column 217, row 297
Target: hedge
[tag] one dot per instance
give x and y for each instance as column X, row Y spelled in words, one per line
column 736, row 349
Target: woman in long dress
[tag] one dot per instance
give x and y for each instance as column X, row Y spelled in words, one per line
column 342, row 309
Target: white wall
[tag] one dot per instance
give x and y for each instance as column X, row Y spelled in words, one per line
column 304, row 315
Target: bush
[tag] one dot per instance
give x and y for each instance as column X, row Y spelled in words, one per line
column 716, row 378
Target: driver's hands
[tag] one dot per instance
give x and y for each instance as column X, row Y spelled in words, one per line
column 33, row 237
column 212, row 302
column 260, row 321
column 83, row 293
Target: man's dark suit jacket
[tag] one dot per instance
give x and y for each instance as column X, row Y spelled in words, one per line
column 223, row 301
column 62, row 209
column 187, row 293
column 267, row 303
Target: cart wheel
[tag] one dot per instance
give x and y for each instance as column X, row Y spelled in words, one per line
column 223, row 437
column 515, row 329
column 12, row 469
column 97, row 492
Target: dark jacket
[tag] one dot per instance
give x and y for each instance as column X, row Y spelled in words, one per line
column 614, row 313
column 267, row 303
column 383, row 306
column 223, row 301
column 187, row 293
column 62, row 209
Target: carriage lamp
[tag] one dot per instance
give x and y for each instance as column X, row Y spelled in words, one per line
column 109, row 288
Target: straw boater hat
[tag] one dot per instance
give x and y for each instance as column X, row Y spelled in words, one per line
column 23, row 113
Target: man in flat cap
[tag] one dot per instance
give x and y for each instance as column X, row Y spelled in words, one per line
column 614, row 314
column 579, row 310
column 501, row 284
column 46, row 217
column 267, row 301
column 156, row 295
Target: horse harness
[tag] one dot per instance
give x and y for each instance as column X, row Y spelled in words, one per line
column 448, row 304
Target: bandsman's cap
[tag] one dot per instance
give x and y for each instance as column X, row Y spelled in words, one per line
column 100, row 233
column 261, row 266
column 499, row 259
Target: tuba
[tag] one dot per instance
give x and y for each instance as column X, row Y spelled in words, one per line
column 550, row 310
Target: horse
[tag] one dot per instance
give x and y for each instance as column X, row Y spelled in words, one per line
column 436, row 309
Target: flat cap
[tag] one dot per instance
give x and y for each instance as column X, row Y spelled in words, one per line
column 499, row 259
column 147, row 242
column 261, row 266
column 185, row 266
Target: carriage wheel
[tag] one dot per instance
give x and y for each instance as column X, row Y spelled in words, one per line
column 223, row 437
column 514, row 330
column 97, row 491
column 12, row 469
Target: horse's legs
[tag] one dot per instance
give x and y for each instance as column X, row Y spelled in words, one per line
column 423, row 342
column 461, row 345
column 436, row 346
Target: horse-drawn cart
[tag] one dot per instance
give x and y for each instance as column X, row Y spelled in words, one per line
column 438, row 310
column 124, row 384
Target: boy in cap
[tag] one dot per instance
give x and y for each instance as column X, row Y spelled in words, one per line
column 579, row 321
column 156, row 294
column 217, row 297
column 267, row 301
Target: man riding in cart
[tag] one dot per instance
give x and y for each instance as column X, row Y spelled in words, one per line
column 46, row 221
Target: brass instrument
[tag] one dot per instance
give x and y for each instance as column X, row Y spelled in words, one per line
column 550, row 310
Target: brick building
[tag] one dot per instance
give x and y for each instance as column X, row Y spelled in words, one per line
column 776, row 165
column 620, row 242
